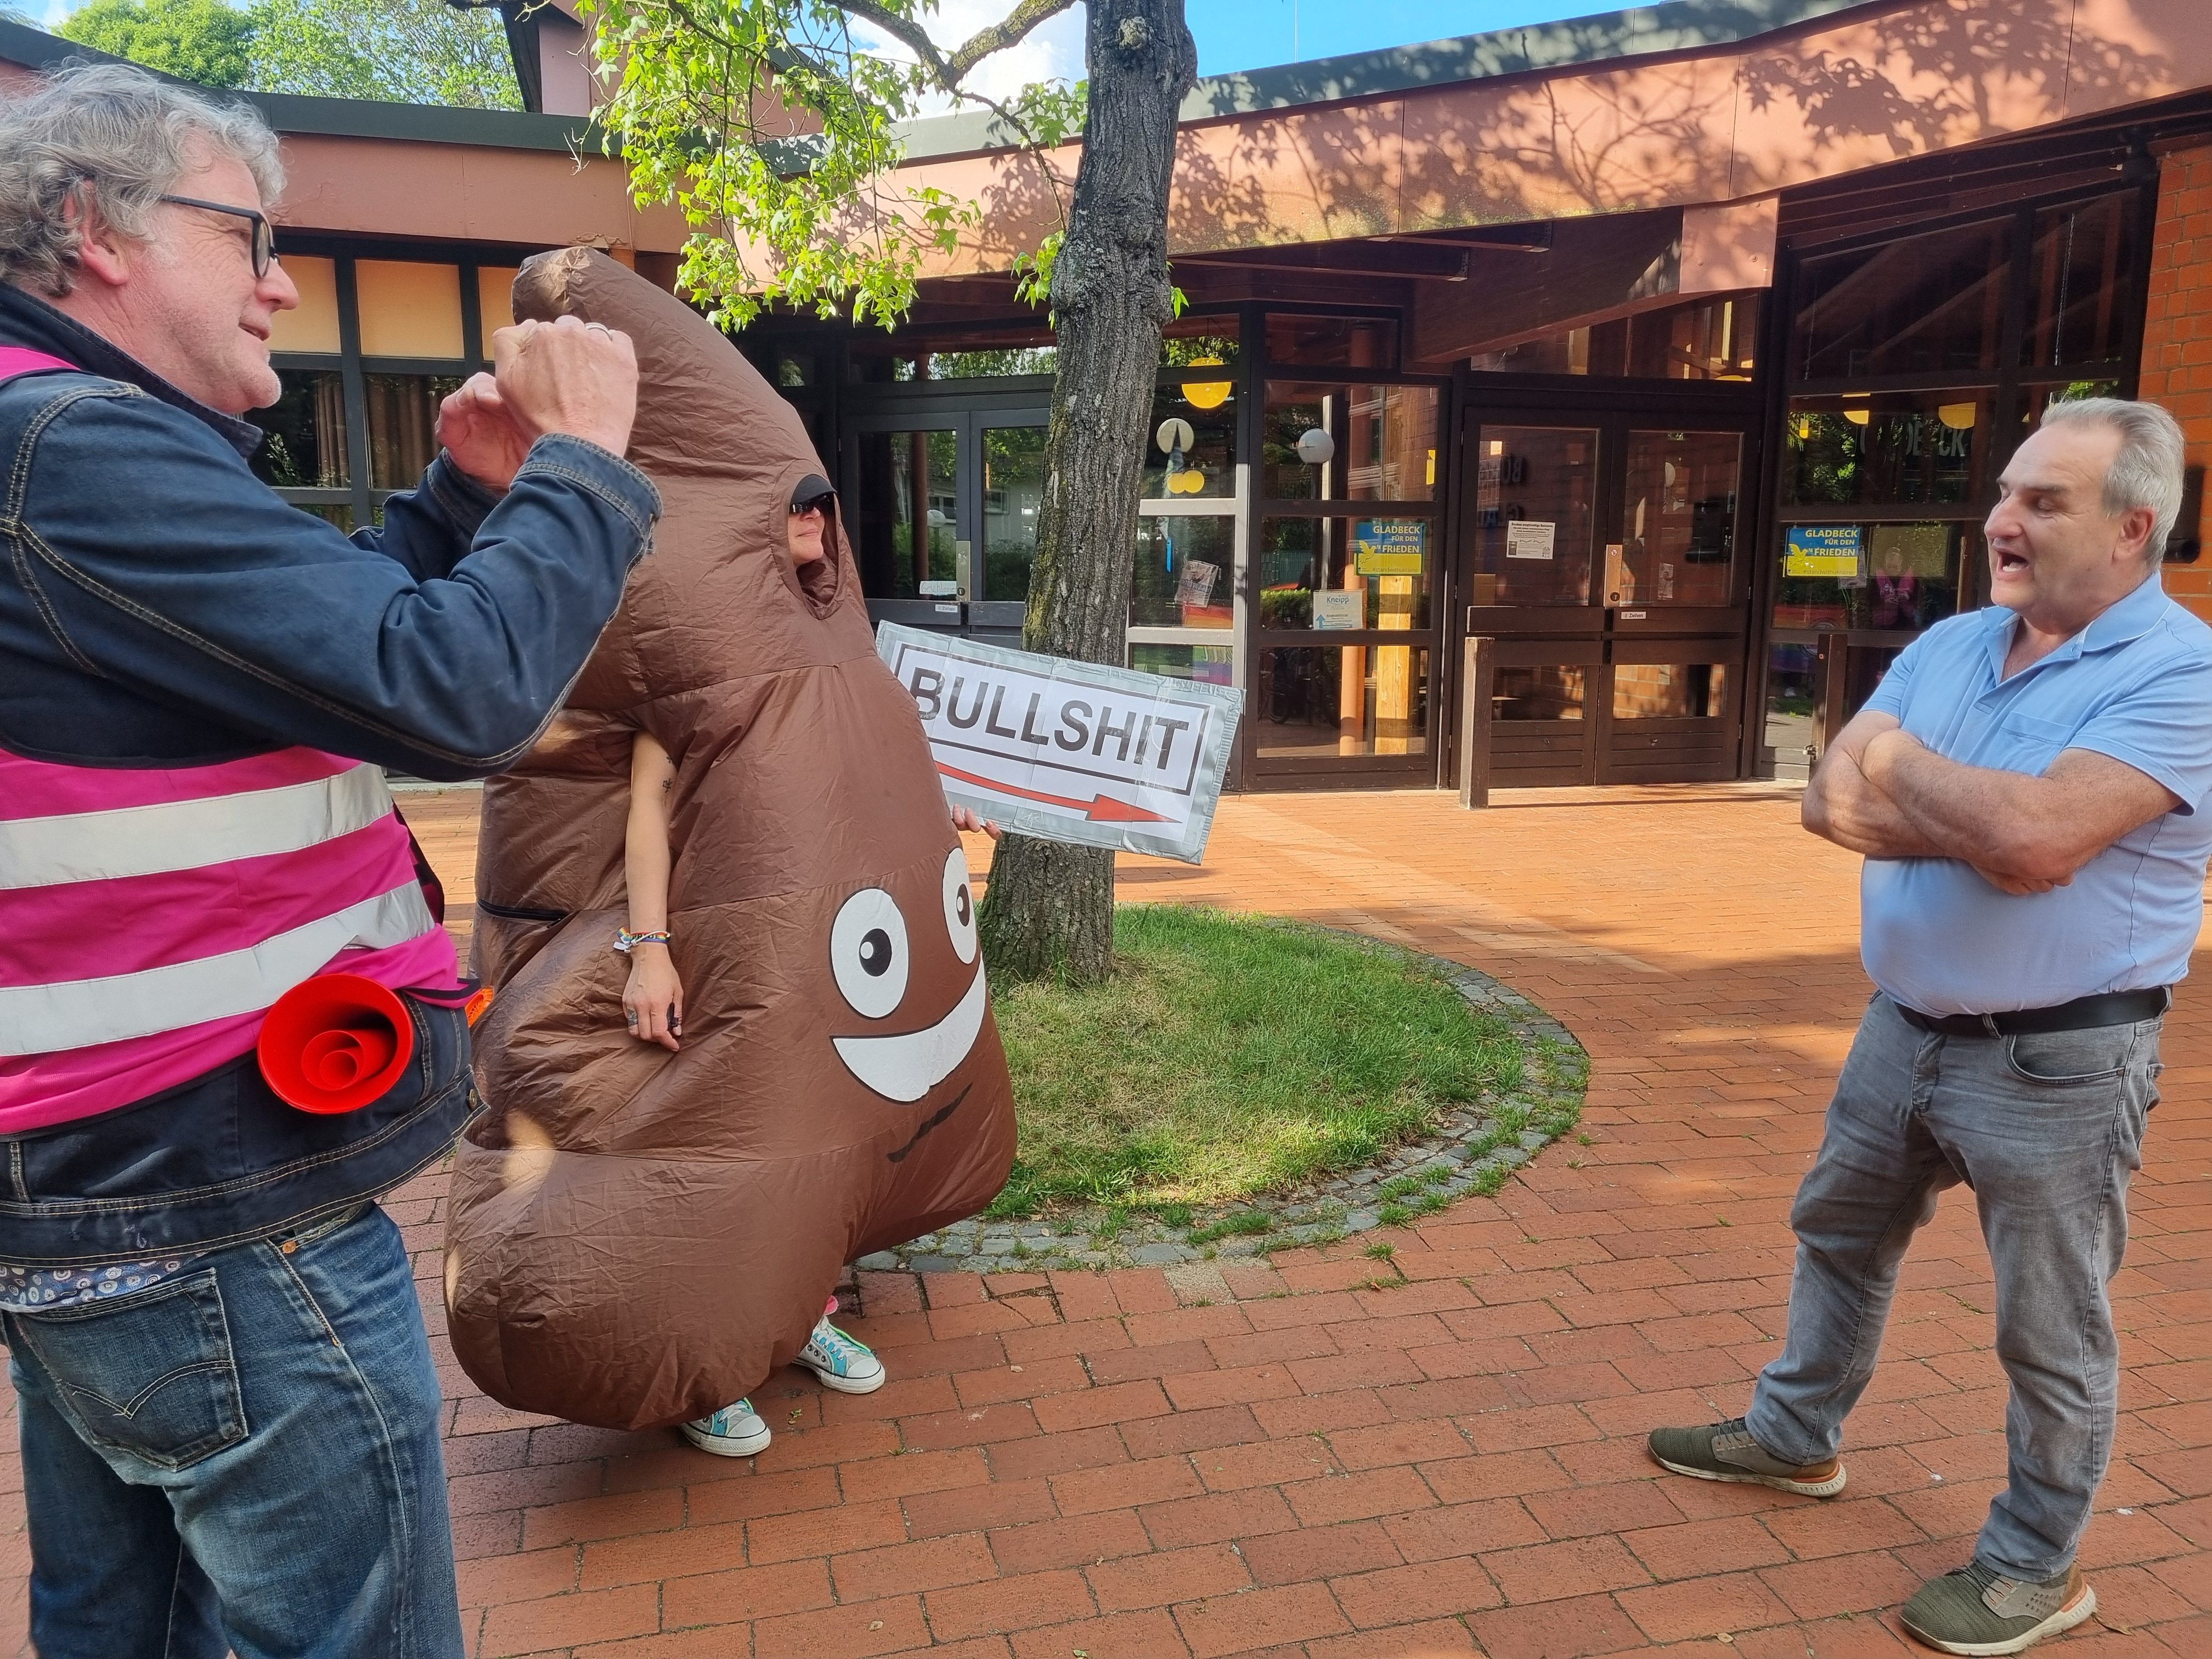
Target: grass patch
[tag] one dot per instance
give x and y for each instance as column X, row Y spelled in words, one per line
column 1229, row 1056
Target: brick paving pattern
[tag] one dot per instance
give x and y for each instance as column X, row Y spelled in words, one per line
column 1441, row 1454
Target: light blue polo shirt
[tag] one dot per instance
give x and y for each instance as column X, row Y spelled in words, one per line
column 2135, row 684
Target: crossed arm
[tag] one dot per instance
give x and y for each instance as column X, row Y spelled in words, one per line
column 1879, row 792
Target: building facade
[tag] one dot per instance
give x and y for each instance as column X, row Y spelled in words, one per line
column 1673, row 356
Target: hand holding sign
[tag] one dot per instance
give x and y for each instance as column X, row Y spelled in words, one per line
column 1065, row 750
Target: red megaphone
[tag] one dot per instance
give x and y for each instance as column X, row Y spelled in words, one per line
column 335, row 1043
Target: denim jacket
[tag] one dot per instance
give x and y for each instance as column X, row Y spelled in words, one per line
column 160, row 606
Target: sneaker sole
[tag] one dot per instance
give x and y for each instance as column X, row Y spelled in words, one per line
column 728, row 1445
column 1827, row 1488
column 844, row 1384
column 2064, row 1619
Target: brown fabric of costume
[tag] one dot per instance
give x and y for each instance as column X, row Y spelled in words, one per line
column 638, row 1237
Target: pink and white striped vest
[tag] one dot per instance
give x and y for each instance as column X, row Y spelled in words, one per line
column 148, row 918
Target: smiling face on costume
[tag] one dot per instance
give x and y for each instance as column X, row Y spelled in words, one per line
column 874, row 943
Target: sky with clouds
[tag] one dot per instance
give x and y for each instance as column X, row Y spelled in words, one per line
column 1232, row 35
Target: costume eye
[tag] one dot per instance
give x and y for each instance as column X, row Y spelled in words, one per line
column 868, row 953
column 959, row 906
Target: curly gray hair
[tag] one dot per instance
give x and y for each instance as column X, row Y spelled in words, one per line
column 110, row 137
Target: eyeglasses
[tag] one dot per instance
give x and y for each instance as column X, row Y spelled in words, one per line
column 817, row 504
column 264, row 234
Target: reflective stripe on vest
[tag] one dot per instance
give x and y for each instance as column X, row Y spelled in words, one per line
column 211, row 896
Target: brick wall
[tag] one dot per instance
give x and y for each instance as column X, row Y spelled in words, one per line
column 2176, row 352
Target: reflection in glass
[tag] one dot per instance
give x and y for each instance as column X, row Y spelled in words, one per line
column 1789, row 709
column 1538, row 694
column 1669, row 690
column 1705, row 339
column 1201, row 340
column 1917, row 305
column 906, row 514
column 1184, row 570
column 1895, row 577
column 335, row 512
column 307, row 445
column 1013, row 484
column 1534, row 514
column 1680, row 527
column 1211, row 665
column 1384, row 438
column 2081, row 281
column 1333, row 342
column 1208, row 466
column 1387, row 563
column 960, row 354
column 1891, row 447
column 402, row 425
column 2036, row 398
column 1312, row 702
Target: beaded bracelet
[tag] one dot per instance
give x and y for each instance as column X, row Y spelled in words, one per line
column 624, row 938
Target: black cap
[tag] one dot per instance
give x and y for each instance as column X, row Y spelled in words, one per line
column 810, row 489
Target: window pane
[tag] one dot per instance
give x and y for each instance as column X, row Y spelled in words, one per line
column 1013, row 484
column 313, row 325
column 1919, row 305
column 1708, row 339
column 307, row 444
column 1369, row 572
column 1891, row 447
column 1535, row 514
column 905, row 516
column 1383, row 440
column 1681, row 516
column 1185, row 569
column 495, row 301
column 409, row 310
column 1200, row 340
column 1333, row 342
column 1896, row 577
column 402, row 426
column 1208, row 466
column 1538, row 694
column 1669, row 690
column 1211, row 665
column 2037, row 399
column 2081, row 283
column 1789, row 709
column 961, row 354
column 1314, row 702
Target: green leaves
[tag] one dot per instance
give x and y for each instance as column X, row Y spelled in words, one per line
column 201, row 41
column 397, row 51
column 773, row 130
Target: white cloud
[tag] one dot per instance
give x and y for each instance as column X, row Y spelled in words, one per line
column 1051, row 52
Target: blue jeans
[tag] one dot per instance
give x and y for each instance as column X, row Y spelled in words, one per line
column 246, row 1457
column 2046, row 1129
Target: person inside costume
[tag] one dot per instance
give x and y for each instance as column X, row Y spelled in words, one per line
column 652, row 1000
column 644, row 1229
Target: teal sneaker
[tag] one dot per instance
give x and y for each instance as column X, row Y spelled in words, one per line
column 841, row 1363
column 735, row 1431
column 1977, row 1610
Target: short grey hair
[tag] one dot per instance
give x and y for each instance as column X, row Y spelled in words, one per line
column 2147, row 471
column 111, row 137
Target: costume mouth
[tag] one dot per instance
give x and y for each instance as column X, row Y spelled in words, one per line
column 907, row 1066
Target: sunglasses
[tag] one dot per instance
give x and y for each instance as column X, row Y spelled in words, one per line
column 264, row 234
column 812, row 504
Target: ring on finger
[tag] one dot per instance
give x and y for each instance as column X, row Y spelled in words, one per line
column 600, row 328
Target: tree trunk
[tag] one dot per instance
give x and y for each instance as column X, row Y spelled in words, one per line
column 1049, row 911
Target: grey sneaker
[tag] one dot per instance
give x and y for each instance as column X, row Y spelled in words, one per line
column 1977, row 1610
column 1726, row 1451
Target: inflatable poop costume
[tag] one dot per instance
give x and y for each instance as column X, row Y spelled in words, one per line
column 639, row 1236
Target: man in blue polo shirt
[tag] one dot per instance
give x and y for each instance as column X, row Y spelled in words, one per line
column 2026, row 786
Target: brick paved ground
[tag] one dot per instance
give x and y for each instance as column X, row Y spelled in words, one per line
column 1439, row 1455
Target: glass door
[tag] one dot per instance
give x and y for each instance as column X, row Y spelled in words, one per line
column 903, row 505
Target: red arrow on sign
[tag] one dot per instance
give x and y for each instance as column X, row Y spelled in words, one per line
column 1099, row 809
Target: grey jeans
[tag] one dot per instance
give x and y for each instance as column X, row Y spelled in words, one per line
column 2046, row 1130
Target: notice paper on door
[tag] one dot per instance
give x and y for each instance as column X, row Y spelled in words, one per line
column 1068, row 750
column 1529, row 539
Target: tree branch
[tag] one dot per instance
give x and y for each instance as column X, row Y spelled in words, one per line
column 998, row 36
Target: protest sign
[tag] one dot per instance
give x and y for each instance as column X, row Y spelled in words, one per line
column 1065, row 750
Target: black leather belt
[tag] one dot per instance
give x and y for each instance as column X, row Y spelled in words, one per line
column 2082, row 1014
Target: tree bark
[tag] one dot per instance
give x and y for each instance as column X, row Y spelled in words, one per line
column 1049, row 911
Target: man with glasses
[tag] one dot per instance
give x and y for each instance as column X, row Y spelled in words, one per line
column 230, row 1421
